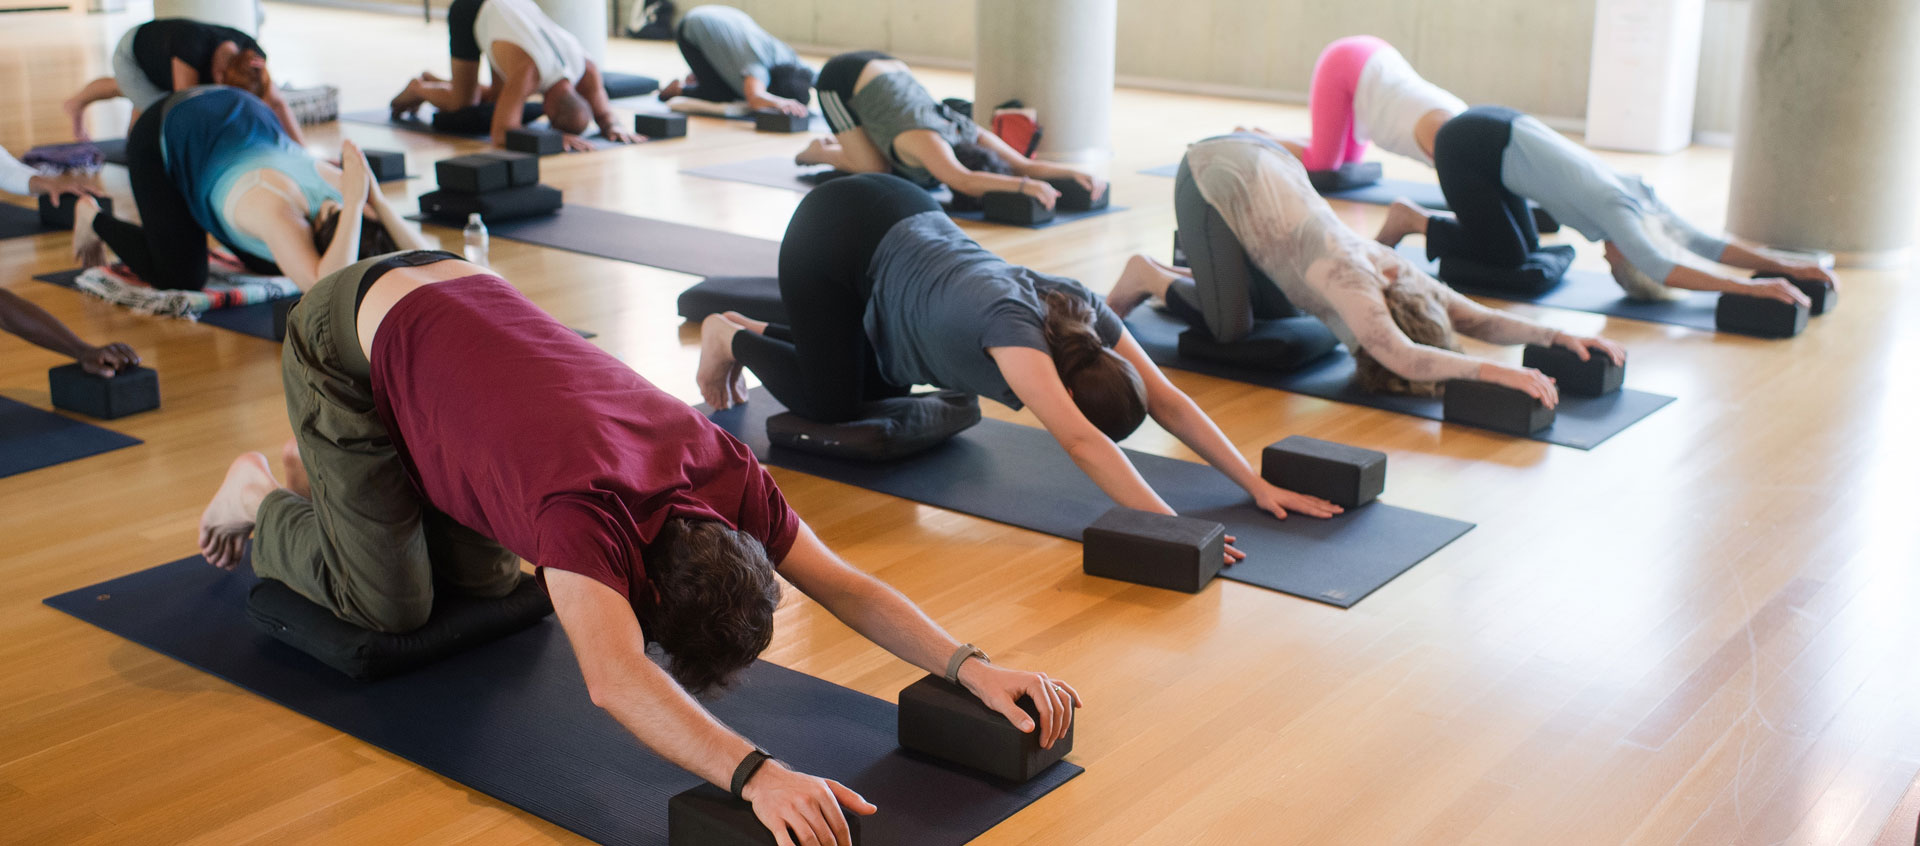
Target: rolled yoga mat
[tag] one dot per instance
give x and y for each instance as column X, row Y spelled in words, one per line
column 1579, row 422
column 31, row 438
column 643, row 240
column 1381, row 193
column 1020, row 476
column 511, row 719
column 1594, row 292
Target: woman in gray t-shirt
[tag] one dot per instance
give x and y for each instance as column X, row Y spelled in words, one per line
column 885, row 122
column 884, row 292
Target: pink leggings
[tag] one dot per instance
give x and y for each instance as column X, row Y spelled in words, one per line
column 1330, row 102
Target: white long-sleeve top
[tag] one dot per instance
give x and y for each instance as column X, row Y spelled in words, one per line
column 14, row 175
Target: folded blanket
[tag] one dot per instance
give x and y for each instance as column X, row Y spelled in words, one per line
column 228, row 286
column 79, row 155
column 697, row 106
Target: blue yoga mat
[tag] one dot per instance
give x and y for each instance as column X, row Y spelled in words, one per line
column 511, row 719
column 1595, row 292
column 1381, row 193
column 31, row 438
column 1579, row 422
column 422, row 123
column 1059, row 217
column 1020, row 476
column 643, row 240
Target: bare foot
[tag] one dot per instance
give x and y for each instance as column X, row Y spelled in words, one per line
column 1403, row 219
column 757, row 327
column 88, row 249
column 408, row 101
column 1142, row 280
column 228, row 520
column 815, row 153
column 722, row 381
column 295, row 468
column 671, row 90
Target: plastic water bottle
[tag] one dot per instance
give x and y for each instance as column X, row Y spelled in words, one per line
column 476, row 235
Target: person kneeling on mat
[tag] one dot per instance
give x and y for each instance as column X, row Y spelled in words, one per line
column 1492, row 160
column 885, row 122
column 163, row 56
column 529, row 54
column 885, row 292
column 1398, row 322
column 1364, row 91
column 213, row 160
column 730, row 58
column 445, row 426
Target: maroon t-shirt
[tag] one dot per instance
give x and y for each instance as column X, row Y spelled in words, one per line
column 519, row 429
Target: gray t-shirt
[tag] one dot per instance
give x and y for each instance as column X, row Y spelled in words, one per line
column 893, row 103
column 735, row 45
column 940, row 301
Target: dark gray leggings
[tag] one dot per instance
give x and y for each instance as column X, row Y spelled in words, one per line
column 1228, row 292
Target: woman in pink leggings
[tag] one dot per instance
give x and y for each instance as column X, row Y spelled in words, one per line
column 1364, row 90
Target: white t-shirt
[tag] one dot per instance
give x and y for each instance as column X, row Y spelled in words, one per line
column 14, row 176
column 557, row 55
column 1390, row 100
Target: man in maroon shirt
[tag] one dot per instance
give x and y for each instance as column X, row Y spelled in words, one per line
column 446, row 428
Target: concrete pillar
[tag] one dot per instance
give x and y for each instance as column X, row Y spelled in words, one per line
column 1056, row 56
column 1823, row 153
column 586, row 19
column 243, row 15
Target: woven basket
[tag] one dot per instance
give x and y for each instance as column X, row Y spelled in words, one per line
column 312, row 105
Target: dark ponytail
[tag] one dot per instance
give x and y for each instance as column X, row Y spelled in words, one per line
column 1104, row 384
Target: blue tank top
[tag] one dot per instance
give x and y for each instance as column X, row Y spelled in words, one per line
column 215, row 136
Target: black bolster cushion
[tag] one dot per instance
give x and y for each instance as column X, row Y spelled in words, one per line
column 1281, row 345
column 1345, row 177
column 478, row 120
column 757, row 297
column 886, row 429
column 620, row 85
column 1537, row 275
column 458, row 623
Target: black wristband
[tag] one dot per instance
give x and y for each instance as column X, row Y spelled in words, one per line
column 744, row 772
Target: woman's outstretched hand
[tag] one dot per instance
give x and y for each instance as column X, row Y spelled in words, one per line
column 1278, row 501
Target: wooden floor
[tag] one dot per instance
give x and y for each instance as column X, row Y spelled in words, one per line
column 1700, row 632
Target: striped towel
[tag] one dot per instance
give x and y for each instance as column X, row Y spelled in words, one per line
column 227, row 286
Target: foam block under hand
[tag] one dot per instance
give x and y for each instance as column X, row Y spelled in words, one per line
column 942, row 719
column 709, row 816
column 61, row 216
column 458, row 623
column 660, row 126
column 522, row 168
column 452, row 207
column 1157, row 550
column 1597, row 376
column 475, row 174
column 1074, row 197
column 129, row 391
column 1345, row 177
column 1347, row 476
column 387, row 165
column 1014, row 207
column 1761, row 317
column 539, row 141
column 1495, row 407
column 1824, row 296
column 774, row 120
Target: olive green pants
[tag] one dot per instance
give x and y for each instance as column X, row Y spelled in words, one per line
column 367, row 545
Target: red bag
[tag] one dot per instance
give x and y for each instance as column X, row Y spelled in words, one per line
column 1017, row 125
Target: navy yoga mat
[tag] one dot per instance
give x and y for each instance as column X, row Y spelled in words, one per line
column 511, row 719
column 1580, row 422
column 255, row 320
column 1059, row 217
column 31, row 438
column 1020, row 476
column 643, row 240
column 1595, row 292
column 1381, row 193
column 422, row 123
column 17, row 221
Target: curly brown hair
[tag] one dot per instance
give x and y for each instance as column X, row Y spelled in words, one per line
column 717, row 596
column 374, row 238
column 1105, row 386
column 1417, row 309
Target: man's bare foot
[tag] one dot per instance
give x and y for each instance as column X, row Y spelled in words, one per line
column 228, row 520
column 295, row 468
column 1142, row 280
column 757, row 327
column 1403, row 219
column 671, row 90
column 815, row 153
column 88, row 249
column 408, row 101
column 722, row 381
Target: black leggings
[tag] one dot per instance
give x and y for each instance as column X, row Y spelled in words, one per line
column 708, row 84
column 1491, row 224
column 822, row 366
column 838, row 77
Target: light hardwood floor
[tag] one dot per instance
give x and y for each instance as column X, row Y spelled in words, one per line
column 1700, row 632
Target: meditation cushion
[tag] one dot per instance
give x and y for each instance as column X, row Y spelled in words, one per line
column 1278, row 345
column 453, row 207
column 1345, row 177
column 757, row 297
column 886, row 429
column 478, row 120
column 1537, row 275
column 458, row 623
column 620, row 85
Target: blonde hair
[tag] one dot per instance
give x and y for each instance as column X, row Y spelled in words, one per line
column 1419, row 312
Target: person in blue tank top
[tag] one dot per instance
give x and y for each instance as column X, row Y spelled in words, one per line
column 214, row 160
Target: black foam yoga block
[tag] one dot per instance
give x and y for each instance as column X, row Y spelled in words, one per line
column 539, row 141
column 709, row 816
column 1824, row 296
column 942, row 719
column 475, row 174
column 1347, row 476
column 660, row 126
column 130, row 391
column 522, row 168
column 452, row 207
column 61, row 216
column 774, row 120
column 1014, row 207
column 387, row 165
column 458, row 623
column 1345, row 177
column 1281, row 345
column 1597, row 376
column 1761, row 317
column 1157, row 550
column 1495, row 407
column 281, row 309
column 1074, row 197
